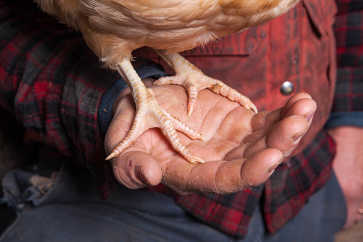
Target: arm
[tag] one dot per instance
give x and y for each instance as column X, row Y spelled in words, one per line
column 51, row 81
column 54, row 84
column 346, row 121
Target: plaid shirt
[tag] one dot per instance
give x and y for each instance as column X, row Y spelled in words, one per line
column 349, row 41
column 57, row 89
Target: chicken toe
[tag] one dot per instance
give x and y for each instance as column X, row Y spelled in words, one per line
column 194, row 80
column 164, row 121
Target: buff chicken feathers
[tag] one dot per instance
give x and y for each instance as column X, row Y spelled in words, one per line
column 114, row 28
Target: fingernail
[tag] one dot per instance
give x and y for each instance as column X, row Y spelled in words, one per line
column 310, row 117
column 296, row 138
column 273, row 168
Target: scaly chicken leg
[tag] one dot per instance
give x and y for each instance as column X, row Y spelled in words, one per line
column 194, row 80
column 188, row 76
column 146, row 105
column 114, row 28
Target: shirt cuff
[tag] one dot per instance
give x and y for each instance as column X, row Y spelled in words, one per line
column 345, row 119
column 149, row 70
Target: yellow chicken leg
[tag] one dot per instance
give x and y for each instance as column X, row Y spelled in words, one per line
column 194, row 80
column 147, row 107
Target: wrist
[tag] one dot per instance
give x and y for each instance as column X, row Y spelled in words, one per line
column 105, row 111
column 127, row 91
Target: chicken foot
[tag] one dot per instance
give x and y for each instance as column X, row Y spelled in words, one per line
column 194, row 80
column 147, row 108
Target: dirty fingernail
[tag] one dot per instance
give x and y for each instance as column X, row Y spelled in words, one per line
column 310, row 117
column 296, row 138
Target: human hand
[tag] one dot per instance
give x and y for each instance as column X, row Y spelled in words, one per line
column 242, row 148
column 348, row 167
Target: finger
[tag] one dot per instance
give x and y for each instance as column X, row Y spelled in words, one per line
column 287, row 133
column 305, row 108
column 259, row 167
column 284, row 135
column 301, row 104
column 262, row 119
column 239, row 174
column 257, row 146
column 229, row 176
column 137, row 169
column 297, row 97
column 255, row 141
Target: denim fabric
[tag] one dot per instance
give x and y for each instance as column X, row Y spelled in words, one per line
column 72, row 211
column 345, row 119
column 318, row 221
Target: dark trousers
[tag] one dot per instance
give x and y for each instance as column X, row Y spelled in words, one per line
column 73, row 212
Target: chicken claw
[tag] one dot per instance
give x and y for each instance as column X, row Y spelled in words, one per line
column 194, row 80
column 147, row 108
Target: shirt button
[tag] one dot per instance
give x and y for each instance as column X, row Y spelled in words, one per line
column 287, row 88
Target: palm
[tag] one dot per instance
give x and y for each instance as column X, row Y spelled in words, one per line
column 231, row 134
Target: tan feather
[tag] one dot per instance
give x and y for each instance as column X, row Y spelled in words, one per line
column 176, row 25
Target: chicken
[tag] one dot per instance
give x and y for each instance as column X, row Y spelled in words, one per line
column 114, row 28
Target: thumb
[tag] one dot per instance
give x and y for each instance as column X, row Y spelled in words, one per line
column 260, row 166
column 136, row 169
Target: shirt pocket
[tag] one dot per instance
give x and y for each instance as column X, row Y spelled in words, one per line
column 321, row 15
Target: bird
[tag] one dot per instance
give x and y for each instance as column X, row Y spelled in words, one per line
column 113, row 29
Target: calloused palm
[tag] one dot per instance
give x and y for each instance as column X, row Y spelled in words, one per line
column 241, row 148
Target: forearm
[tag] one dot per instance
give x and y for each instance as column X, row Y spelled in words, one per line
column 54, row 84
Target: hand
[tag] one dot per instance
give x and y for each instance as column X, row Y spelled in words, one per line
column 348, row 167
column 242, row 148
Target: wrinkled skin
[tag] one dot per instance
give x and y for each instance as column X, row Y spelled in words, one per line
column 242, row 148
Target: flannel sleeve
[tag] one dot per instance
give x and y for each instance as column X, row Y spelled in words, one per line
column 51, row 81
column 54, row 84
column 348, row 102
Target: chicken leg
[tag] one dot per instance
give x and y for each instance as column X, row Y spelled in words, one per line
column 147, row 108
column 194, row 80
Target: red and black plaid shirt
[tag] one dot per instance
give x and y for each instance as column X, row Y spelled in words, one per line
column 54, row 85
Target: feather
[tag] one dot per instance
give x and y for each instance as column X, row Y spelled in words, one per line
column 175, row 25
